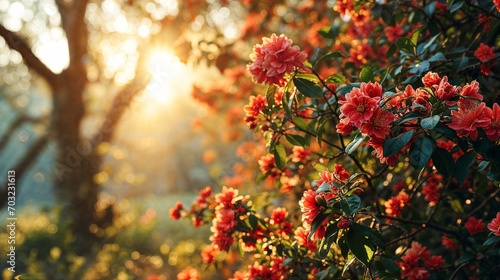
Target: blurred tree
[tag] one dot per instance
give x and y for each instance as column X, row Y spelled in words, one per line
column 86, row 28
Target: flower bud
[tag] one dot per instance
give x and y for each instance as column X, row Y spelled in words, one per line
column 344, row 223
column 320, row 200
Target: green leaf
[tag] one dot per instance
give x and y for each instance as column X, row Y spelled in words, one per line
column 443, row 161
column 300, row 123
column 463, row 165
column 295, row 140
column 317, row 223
column 328, row 32
column 336, row 79
column 421, row 151
column 325, row 187
column 437, row 57
column 308, row 88
column 410, row 116
column 328, row 56
column 279, row 155
column 494, row 172
column 456, row 6
column 350, row 205
column 394, row 145
column 271, row 90
column 360, row 244
column 366, row 75
column 430, row 122
column 330, row 237
column 358, row 139
column 414, row 36
column 346, row 89
column 429, row 9
column 405, row 45
column 253, row 221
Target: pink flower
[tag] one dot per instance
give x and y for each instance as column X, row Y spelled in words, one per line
column 255, row 106
column 470, row 94
column 431, row 79
column 358, row 107
column 484, row 52
column 275, row 58
column 493, row 131
column 467, row 120
column 444, row 90
column 300, row 154
column 379, row 124
column 209, row 253
column 373, row 90
column 497, row 4
column 227, row 198
column 395, row 204
column 301, row 236
column 494, row 225
column 188, row 273
column 474, row 225
column 309, row 207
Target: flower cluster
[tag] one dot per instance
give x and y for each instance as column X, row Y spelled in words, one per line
column 417, row 262
column 312, row 203
column 275, row 58
column 227, row 213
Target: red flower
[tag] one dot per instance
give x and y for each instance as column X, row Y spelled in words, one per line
column 379, row 124
column 256, row 105
column 493, row 131
column 393, row 33
column 484, row 52
column 275, row 58
column 449, row 243
column 497, row 4
column 434, row 262
column 474, row 225
column 344, row 126
column 470, row 94
column 278, row 218
column 444, row 90
column 309, row 207
column 227, row 198
column 301, row 235
column 175, row 212
column 344, row 223
column 340, row 172
column 188, row 273
column 209, row 253
column 431, row 189
column 300, row 154
column 494, row 225
column 395, row 204
column 373, row 90
column 358, row 107
column 431, row 79
column 467, row 120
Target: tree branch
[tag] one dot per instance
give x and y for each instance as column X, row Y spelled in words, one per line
column 24, row 164
column 21, row 119
column 121, row 102
column 17, row 43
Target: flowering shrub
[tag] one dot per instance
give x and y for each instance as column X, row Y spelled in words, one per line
column 387, row 166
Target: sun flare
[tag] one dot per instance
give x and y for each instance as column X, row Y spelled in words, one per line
column 169, row 77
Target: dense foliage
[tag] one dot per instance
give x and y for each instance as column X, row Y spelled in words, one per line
column 379, row 151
